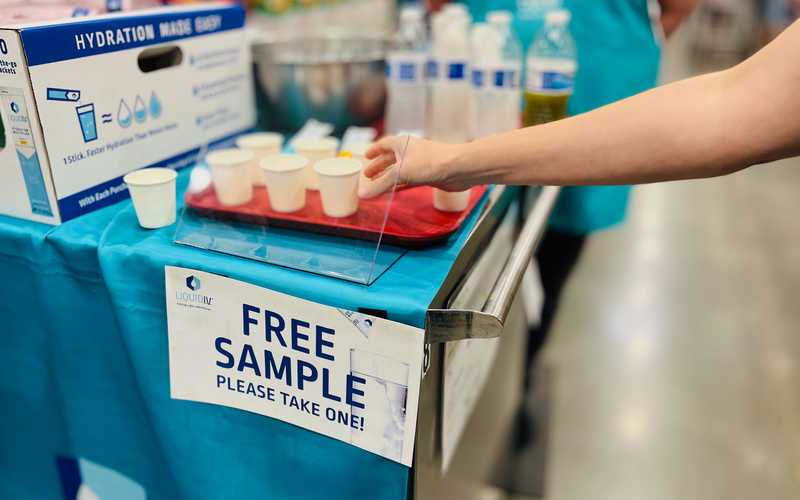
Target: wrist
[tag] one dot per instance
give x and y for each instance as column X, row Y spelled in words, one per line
column 450, row 162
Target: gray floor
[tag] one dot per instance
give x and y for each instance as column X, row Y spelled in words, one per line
column 675, row 354
column 676, row 351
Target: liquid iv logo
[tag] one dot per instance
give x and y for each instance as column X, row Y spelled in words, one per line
column 17, row 114
column 193, row 283
column 193, row 298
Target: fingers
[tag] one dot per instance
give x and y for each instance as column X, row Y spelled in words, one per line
column 377, row 166
column 383, row 154
column 376, row 186
column 375, row 149
column 387, row 144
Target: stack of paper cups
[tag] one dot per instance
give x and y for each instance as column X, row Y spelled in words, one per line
column 338, row 186
column 230, row 174
column 153, row 193
column 315, row 150
column 262, row 144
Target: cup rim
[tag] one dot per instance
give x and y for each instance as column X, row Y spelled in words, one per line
column 301, row 162
column 130, row 177
column 229, row 157
column 316, row 143
column 259, row 140
column 322, row 163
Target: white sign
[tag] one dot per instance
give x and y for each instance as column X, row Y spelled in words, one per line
column 346, row 375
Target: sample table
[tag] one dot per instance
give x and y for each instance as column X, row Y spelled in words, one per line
column 85, row 374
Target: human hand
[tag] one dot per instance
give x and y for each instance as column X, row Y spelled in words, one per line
column 410, row 161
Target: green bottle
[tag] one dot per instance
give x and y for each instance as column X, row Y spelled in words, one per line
column 551, row 67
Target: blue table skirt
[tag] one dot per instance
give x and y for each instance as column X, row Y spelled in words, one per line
column 85, row 371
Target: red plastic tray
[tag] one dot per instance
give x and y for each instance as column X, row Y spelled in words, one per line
column 413, row 221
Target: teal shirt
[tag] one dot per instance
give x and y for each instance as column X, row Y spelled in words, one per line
column 618, row 56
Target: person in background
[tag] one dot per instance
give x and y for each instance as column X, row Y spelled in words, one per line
column 777, row 15
column 618, row 45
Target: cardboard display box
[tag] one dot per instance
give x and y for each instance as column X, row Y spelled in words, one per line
column 84, row 101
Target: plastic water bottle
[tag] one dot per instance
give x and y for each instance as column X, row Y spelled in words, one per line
column 450, row 92
column 486, row 61
column 450, row 89
column 407, row 89
column 507, row 76
column 439, row 22
column 552, row 63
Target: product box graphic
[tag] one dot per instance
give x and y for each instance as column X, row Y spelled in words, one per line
column 84, row 101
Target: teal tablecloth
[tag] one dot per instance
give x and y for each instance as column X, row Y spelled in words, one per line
column 85, row 369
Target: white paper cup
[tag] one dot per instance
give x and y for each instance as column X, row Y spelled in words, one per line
column 286, row 181
column 262, row 144
column 153, row 193
column 338, row 185
column 230, row 173
column 447, row 201
column 315, row 150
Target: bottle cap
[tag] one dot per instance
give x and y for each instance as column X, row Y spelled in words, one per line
column 455, row 8
column 411, row 13
column 499, row 17
column 457, row 11
column 558, row 17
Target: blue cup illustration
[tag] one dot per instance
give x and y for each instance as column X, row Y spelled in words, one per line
column 87, row 122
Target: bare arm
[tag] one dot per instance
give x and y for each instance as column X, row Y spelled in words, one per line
column 702, row 127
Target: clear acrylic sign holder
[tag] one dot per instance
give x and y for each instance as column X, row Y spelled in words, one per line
column 326, row 246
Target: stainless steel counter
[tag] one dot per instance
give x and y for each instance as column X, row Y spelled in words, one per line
column 479, row 300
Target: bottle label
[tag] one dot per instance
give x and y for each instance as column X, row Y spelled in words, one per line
column 478, row 76
column 408, row 72
column 405, row 69
column 456, row 71
column 506, row 79
column 550, row 82
column 432, row 69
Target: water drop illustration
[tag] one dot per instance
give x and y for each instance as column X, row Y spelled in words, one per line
column 155, row 105
column 139, row 111
column 124, row 116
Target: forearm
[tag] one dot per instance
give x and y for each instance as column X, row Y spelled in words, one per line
column 654, row 136
column 702, row 127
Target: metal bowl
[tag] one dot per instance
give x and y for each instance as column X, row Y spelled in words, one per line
column 334, row 78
